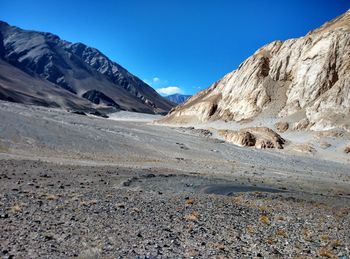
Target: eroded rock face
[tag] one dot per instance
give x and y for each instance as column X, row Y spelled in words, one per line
column 310, row 75
column 302, row 124
column 259, row 137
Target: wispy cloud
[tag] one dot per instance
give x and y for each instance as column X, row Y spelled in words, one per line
column 156, row 79
column 169, row 90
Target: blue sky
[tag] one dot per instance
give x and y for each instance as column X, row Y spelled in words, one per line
column 183, row 44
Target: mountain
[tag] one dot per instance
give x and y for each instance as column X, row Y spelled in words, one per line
column 304, row 82
column 40, row 68
column 177, row 98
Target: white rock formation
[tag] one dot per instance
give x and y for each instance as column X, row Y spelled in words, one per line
column 309, row 76
column 259, row 137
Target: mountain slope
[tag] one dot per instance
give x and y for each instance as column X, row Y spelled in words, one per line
column 304, row 80
column 69, row 69
column 177, row 98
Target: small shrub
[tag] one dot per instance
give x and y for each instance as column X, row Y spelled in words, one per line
column 190, row 201
column 334, row 244
column 238, row 199
column 136, row 210
column 263, row 209
column 16, row 209
column 192, row 217
column 250, row 229
column 52, row 197
column 220, row 247
column 88, row 203
column 264, row 219
column 324, row 237
column 326, row 253
column 281, row 232
column 270, row 241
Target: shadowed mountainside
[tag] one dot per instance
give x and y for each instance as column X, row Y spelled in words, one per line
column 40, row 68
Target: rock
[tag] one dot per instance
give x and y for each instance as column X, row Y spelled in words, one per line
column 301, row 125
column 90, row 253
column 79, row 113
column 263, row 143
column 99, row 114
column 240, row 138
column 149, row 176
column 282, row 126
column 120, row 205
column 308, row 76
column 98, row 97
column 4, row 216
column 260, row 137
column 325, row 145
column 347, row 150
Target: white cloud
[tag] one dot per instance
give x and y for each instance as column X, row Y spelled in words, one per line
column 169, row 90
column 156, row 79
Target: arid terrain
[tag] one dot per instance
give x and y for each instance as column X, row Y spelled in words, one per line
column 255, row 166
column 96, row 162
column 91, row 187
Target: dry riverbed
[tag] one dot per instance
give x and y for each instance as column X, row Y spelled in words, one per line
column 89, row 187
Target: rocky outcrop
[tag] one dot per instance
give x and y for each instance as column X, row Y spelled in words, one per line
column 303, row 124
column 72, row 69
column 241, row 138
column 98, row 97
column 259, row 137
column 309, row 75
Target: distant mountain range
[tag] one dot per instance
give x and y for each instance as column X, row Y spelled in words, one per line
column 40, row 68
column 177, row 98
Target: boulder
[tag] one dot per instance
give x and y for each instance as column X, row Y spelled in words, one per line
column 259, row 137
column 282, row 126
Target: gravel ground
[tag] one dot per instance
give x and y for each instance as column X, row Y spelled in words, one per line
column 59, row 211
column 31, row 132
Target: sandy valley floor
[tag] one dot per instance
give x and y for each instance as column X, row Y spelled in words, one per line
column 74, row 185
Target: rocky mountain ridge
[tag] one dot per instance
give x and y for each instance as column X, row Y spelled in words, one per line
column 72, row 69
column 177, row 98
